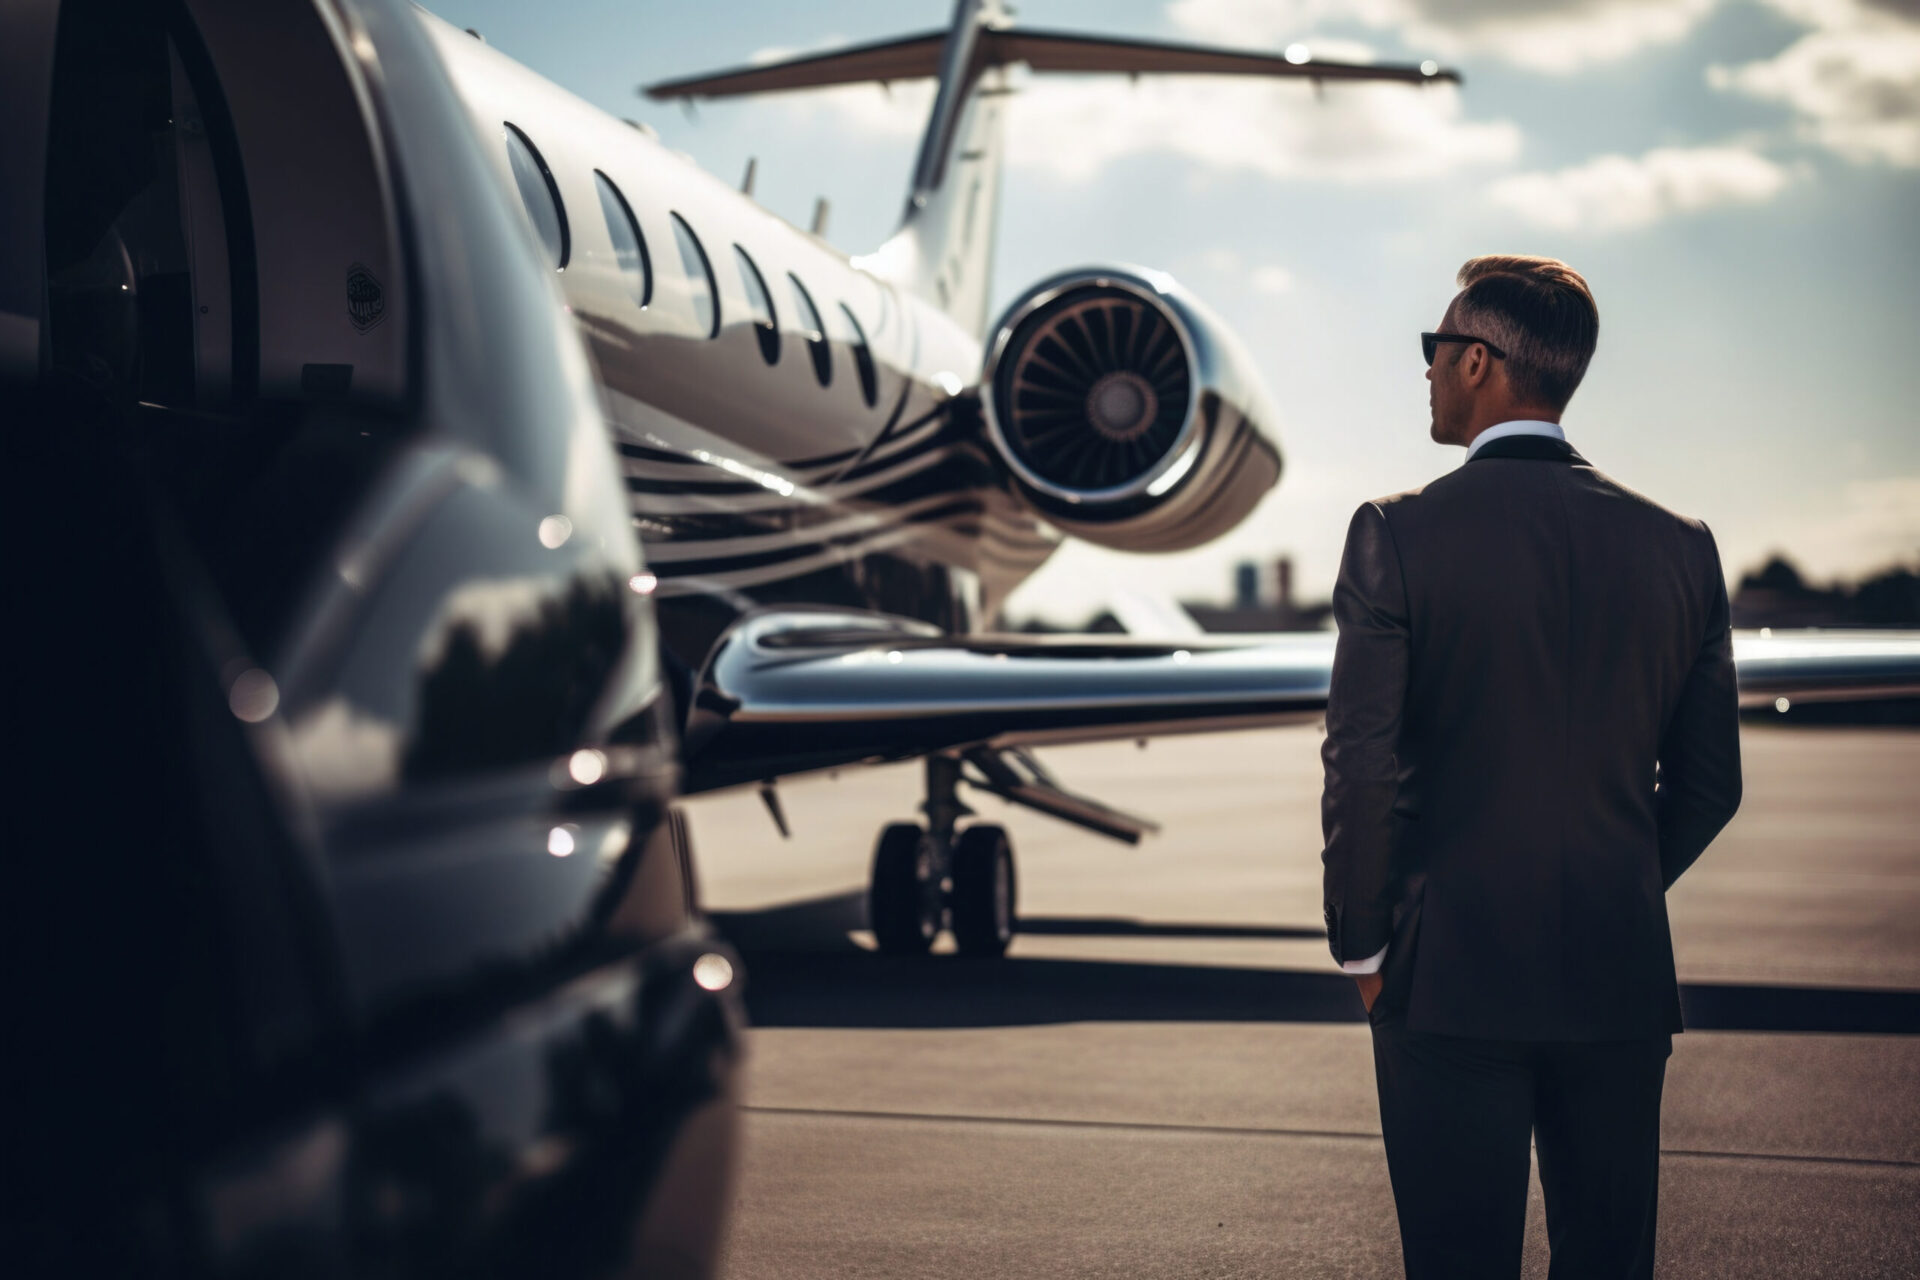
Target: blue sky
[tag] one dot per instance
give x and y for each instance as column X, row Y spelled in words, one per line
column 1738, row 179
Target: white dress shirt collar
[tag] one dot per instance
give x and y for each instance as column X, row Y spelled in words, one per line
column 1518, row 427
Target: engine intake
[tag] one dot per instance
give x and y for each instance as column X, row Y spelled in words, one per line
column 1096, row 389
column 1126, row 413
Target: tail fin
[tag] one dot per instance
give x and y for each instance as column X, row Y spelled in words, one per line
column 944, row 247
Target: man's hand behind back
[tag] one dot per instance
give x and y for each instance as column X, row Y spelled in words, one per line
column 1369, row 984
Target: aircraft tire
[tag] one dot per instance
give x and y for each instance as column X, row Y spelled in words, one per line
column 984, row 891
column 903, row 902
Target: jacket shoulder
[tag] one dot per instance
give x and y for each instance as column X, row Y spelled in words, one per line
column 1435, row 494
column 1394, row 503
column 1464, row 488
column 1689, row 527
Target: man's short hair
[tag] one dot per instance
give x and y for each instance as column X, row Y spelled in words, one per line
column 1541, row 313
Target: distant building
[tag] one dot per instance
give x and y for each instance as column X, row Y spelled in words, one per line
column 1253, row 608
column 1250, row 612
column 1246, row 585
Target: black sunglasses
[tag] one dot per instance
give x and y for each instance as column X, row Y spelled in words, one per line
column 1429, row 341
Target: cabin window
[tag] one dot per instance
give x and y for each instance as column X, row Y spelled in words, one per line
column 766, row 326
column 814, row 330
column 700, row 286
column 629, row 246
column 862, row 357
column 539, row 194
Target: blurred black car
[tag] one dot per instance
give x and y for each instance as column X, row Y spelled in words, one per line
column 350, row 929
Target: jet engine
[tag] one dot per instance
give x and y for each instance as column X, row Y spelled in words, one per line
column 1126, row 412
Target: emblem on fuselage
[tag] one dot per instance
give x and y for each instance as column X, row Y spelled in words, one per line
column 366, row 300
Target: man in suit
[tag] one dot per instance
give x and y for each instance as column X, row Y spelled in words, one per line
column 1532, row 731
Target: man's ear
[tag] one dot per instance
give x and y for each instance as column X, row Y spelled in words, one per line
column 1476, row 366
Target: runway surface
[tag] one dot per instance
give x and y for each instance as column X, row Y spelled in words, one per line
column 1166, row 1078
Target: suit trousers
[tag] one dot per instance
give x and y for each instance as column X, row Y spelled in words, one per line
column 1458, row 1114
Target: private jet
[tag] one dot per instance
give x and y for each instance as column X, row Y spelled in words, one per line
column 841, row 466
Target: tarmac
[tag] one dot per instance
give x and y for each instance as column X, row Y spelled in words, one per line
column 1166, row 1077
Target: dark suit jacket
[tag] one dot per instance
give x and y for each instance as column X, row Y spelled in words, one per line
column 1532, row 731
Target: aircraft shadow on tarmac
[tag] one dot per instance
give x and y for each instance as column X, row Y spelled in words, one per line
column 804, row 971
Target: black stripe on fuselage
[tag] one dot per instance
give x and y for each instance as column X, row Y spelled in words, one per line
column 650, row 453
column 646, row 484
column 719, row 565
column 961, row 476
column 971, row 463
column 669, row 485
column 647, row 453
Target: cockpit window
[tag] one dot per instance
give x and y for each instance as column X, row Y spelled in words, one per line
column 539, row 194
column 862, row 357
column 815, row 331
column 693, row 258
column 629, row 246
column 766, row 326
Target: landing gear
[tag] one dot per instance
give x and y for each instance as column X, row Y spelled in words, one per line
column 927, row 877
column 983, row 891
column 904, row 903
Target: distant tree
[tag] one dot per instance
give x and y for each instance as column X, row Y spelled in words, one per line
column 1776, row 595
column 1888, row 599
column 1778, row 574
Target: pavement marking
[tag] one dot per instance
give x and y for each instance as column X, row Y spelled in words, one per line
column 1049, row 1122
column 1864, row 1161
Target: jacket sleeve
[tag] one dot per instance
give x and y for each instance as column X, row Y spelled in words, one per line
column 1364, row 709
column 1699, row 778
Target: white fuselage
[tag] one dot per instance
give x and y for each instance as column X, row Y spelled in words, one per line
column 749, row 478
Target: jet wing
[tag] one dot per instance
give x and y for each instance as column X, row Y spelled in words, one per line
column 1826, row 666
column 796, row 690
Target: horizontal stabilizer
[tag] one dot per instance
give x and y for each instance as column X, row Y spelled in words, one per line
column 908, row 58
column 918, row 57
column 1065, row 51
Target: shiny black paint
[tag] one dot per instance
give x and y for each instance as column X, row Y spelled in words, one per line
column 367, row 974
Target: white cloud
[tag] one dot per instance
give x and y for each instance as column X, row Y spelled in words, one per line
column 1853, row 82
column 1357, row 133
column 1271, row 280
column 1268, row 278
column 1071, row 129
column 1558, row 37
column 1616, row 192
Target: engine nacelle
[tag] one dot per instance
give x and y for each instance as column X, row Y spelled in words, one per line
column 1128, row 414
